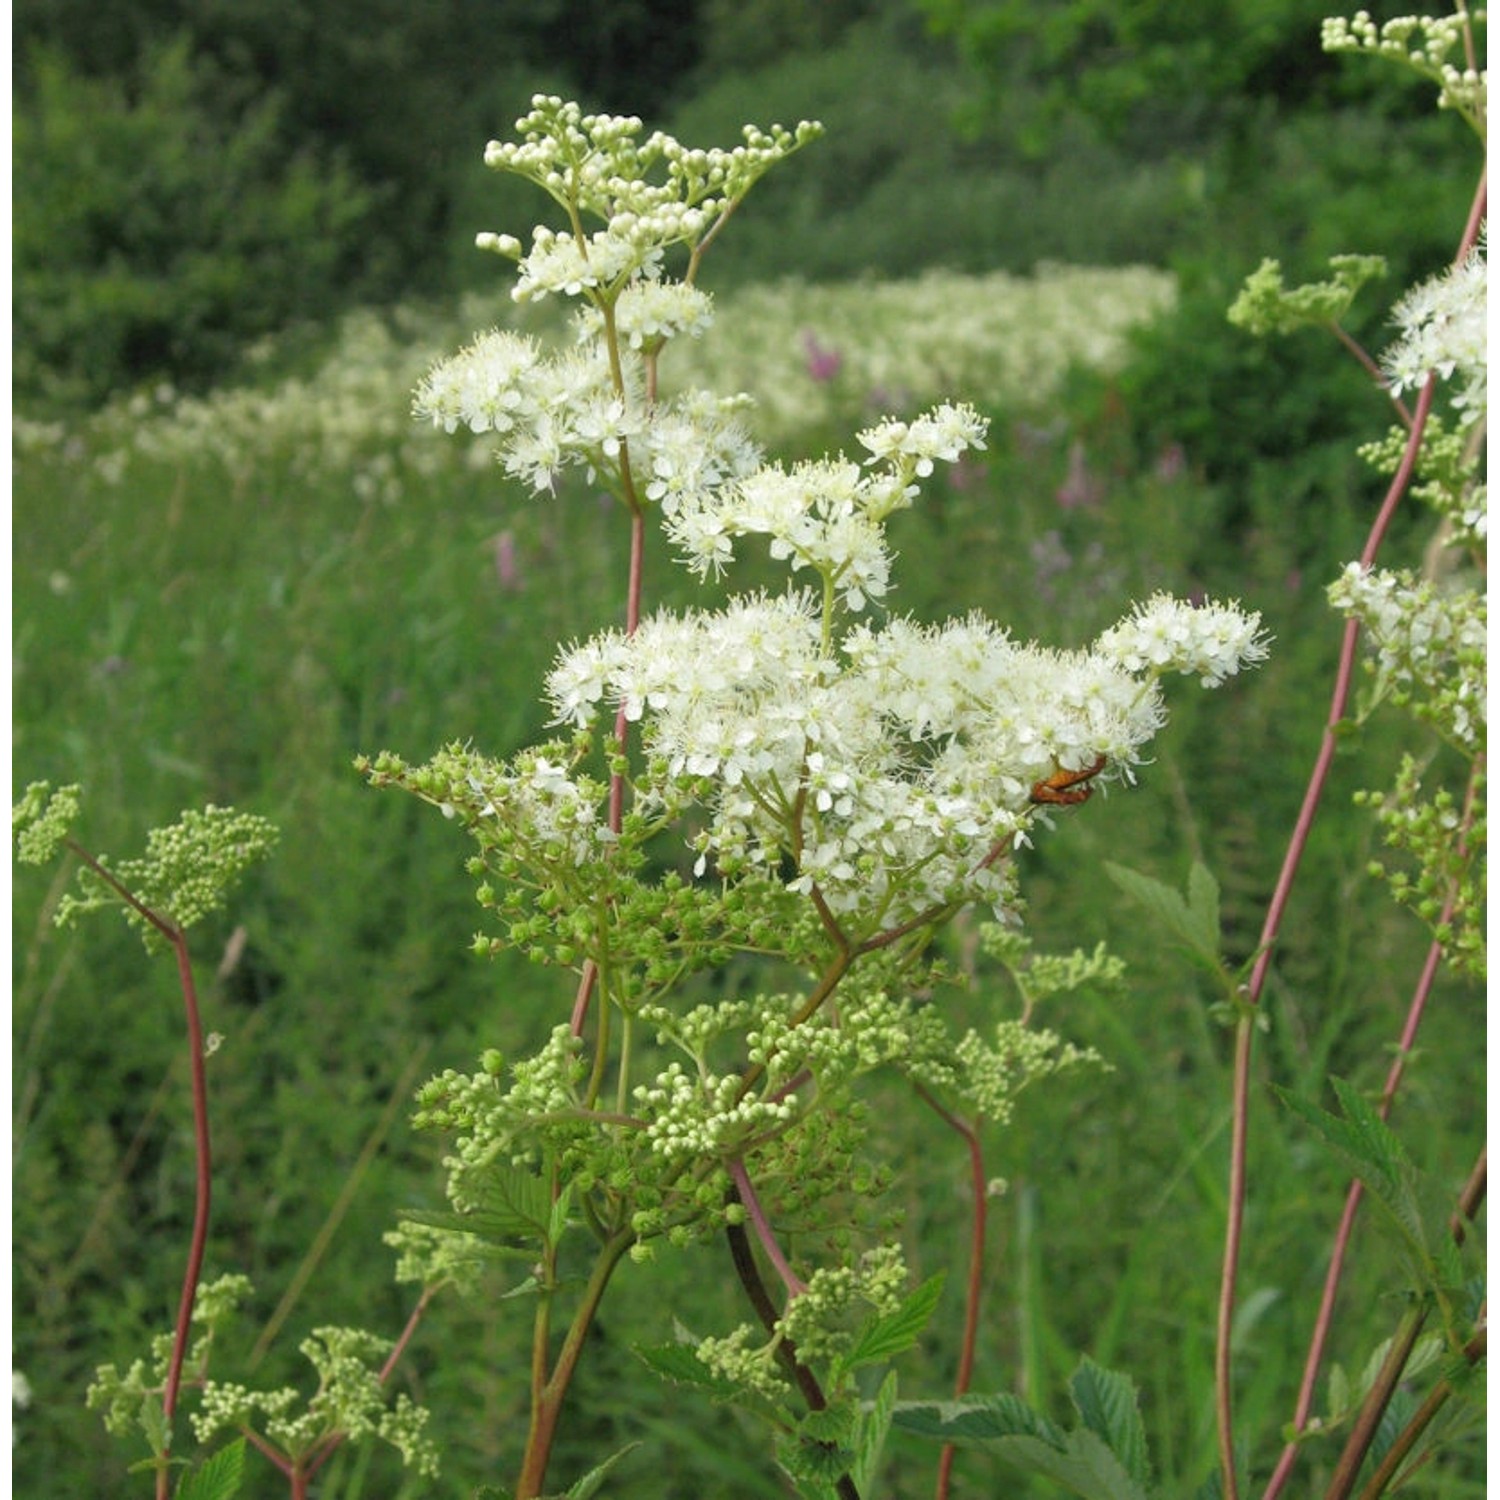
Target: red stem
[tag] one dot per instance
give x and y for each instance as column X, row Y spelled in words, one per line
column 203, row 1170
column 974, row 1288
column 1277, row 909
column 1239, row 1144
column 203, row 1175
column 1324, row 1321
column 794, row 1284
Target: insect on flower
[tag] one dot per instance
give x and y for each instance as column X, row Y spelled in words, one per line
column 1067, row 788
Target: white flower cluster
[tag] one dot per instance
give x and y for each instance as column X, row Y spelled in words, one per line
column 652, row 310
column 1435, row 641
column 548, row 410
column 1169, row 635
column 561, row 821
column 1444, row 331
column 828, row 514
column 565, row 265
column 893, row 767
column 552, row 410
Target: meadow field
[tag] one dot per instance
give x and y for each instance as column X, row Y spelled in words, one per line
column 224, row 598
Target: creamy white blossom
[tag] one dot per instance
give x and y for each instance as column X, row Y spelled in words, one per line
column 1426, row 639
column 1169, row 635
column 899, row 767
column 1444, row 331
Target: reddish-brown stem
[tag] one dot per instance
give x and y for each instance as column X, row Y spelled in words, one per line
column 1324, row 1321
column 794, row 1284
column 765, row 1309
column 203, row 1167
column 974, row 1287
column 1470, row 1199
column 1276, row 911
column 1269, row 932
column 1362, row 1434
column 1368, row 365
column 1421, row 1419
column 202, row 1177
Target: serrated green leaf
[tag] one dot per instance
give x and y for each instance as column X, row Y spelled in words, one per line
column 875, row 1423
column 153, row 1420
column 1373, row 1152
column 1085, row 1465
column 1108, row 1407
column 886, row 1337
column 1203, row 905
column 679, row 1364
column 975, row 1421
column 588, row 1486
column 1168, row 907
column 218, row 1477
column 514, row 1210
column 491, row 1241
column 491, row 1492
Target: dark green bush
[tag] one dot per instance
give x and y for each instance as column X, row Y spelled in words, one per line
column 157, row 233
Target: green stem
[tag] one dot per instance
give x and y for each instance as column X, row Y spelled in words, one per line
column 548, row 1391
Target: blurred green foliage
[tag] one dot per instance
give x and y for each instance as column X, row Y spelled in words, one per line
column 159, row 231
column 191, row 174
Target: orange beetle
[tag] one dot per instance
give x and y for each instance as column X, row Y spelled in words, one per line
column 1068, row 788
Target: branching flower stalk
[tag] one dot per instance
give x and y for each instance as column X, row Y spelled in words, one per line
column 844, row 783
column 1323, row 1322
column 187, row 871
column 176, row 939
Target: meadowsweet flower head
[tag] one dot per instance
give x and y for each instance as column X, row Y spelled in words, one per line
column 1432, row 645
column 652, row 310
column 560, row 264
column 1443, row 331
column 1168, row 635
column 483, row 387
column 650, row 194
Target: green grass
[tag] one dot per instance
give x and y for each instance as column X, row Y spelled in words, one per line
column 227, row 602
